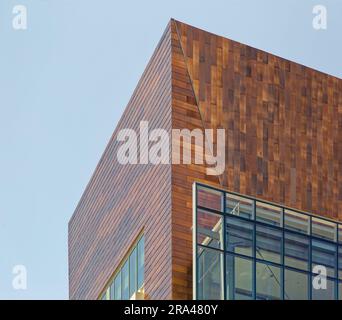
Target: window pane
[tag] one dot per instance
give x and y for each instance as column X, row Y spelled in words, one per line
column 133, row 272
column 239, row 278
column 209, row 198
column 297, row 250
column 323, row 229
column 296, row 285
column 209, row 229
column 297, row 222
column 340, row 233
column 324, row 294
column 112, row 291
column 268, row 213
column 239, row 206
column 340, row 262
column 324, row 254
column 268, row 279
column 210, row 277
column 125, row 281
column 239, row 236
column 268, row 243
column 340, row 291
column 141, row 254
column 117, row 285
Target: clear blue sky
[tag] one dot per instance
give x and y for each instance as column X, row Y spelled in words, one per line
column 64, row 83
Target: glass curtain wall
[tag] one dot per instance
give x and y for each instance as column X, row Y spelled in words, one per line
column 245, row 248
column 129, row 278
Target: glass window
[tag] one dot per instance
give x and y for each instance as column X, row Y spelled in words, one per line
column 117, row 286
column 125, row 281
column 239, row 206
column 210, row 277
column 141, row 245
column 239, row 236
column 268, row 243
column 321, row 293
column 209, row 229
column 239, row 273
column 112, row 291
column 297, row 222
column 269, row 252
column 130, row 277
column 324, row 254
column 296, row 251
column 210, row 198
column 133, row 272
column 323, row 229
column 296, row 285
column 268, row 282
column 268, row 214
column 340, row 262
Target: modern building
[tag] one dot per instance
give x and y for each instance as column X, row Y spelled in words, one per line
column 266, row 227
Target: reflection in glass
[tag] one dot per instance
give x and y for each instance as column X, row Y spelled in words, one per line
column 323, row 229
column 239, row 206
column 140, row 247
column 296, row 251
column 209, row 229
column 239, row 273
column 210, row 198
column 133, row 272
column 112, row 291
column 266, row 251
column 210, row 277
column 125, row 281
column 324, row 294
column 268, row 243
column 268, row 280
column 340, row 262
column 324, row 253
column 297, row 222
column 296, row 285
column 239, row 236
column 117, row 285
column 268, row 214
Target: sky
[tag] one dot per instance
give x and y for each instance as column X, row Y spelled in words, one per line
column 64, row 83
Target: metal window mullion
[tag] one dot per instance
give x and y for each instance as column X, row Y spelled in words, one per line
column 310, row 260
column 195, row 277
column 224, row 247
column 337, row 266
column 282, row 275
column 254, row 251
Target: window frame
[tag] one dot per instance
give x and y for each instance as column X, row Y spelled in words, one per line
column 283, row 227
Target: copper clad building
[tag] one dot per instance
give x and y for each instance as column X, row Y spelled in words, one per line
column 253, row 232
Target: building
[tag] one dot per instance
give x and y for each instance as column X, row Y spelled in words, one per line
column 261, row 228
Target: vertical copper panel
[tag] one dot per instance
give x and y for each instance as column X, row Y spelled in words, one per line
column 122, row 200
column 283, row 126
